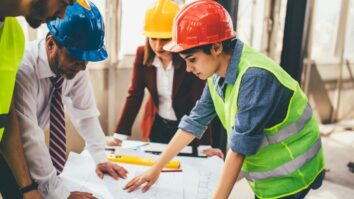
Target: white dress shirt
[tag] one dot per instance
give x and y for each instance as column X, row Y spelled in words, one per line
column 32, row 99
column 164, row 82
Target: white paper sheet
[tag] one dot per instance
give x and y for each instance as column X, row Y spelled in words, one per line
column 209, row 173
column 132, row 144
column 79, row 175
column 201, row 176
column 163, row 188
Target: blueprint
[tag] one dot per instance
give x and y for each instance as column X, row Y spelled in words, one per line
column 197, row 181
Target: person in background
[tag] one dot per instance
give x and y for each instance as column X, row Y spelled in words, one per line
column 53, row 73
column 273, row 134
column 173, row 91
column 14, row 172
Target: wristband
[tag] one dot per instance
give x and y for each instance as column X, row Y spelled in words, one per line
column 30, row 187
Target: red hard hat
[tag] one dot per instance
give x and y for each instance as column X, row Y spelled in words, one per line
column 200, row 23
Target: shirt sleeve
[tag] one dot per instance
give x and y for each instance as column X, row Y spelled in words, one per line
column 36, row 151
column 82, row 107
column 202, row 113
column 259, row 97
column 135, row 96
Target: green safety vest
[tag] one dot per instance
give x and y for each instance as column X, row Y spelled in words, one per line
column 290, row 157
column 12, row 43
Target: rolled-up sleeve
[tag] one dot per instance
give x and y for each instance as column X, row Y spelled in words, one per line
column 203, row 112
column 259, row 99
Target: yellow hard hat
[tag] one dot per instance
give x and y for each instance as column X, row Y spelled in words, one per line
column 84, row 4
column 159, row 19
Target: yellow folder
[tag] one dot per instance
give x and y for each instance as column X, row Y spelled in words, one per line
column 174, row 164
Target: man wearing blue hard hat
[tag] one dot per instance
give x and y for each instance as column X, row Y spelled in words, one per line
column 52, row 74
column 13, row 166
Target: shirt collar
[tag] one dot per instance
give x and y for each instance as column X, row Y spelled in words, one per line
column 231, row 73
column 43, row 64
column 158, row 64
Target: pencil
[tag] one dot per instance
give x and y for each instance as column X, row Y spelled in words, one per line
column 171, row 170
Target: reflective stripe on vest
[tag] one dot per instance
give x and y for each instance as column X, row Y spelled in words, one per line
column 287, row 168
column 290, row 130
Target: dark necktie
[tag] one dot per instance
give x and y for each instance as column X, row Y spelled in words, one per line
column 57, row 137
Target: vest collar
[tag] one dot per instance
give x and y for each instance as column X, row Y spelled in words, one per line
column 231, row 73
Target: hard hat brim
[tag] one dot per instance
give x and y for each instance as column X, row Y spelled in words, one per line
column 89, row 55
column 158, row 35
column 177, row 48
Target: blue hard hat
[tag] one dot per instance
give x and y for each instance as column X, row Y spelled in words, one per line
column 81, row 32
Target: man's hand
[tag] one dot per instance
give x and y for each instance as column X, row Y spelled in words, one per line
column 112, row 141
column 113, row 170
column 149, row 177
column 34, row 194
column 81, row 195
column 214, row 151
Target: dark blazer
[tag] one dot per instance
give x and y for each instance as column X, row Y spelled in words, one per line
column 187, row 89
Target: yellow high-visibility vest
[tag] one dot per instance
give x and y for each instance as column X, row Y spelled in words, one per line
column 12, row 42
column 290, row 157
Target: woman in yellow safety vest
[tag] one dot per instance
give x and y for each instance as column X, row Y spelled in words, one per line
column 274, row 138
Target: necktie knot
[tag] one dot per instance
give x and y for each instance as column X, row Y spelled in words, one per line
column 57, row 81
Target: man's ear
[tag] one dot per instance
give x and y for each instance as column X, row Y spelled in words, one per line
column 50, row 44
column 216, row 48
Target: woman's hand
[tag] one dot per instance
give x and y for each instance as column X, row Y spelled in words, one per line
column 214, row 151
column 149, row 177
column 113, row 142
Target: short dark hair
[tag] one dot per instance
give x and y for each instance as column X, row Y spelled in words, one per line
column 227, row 47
